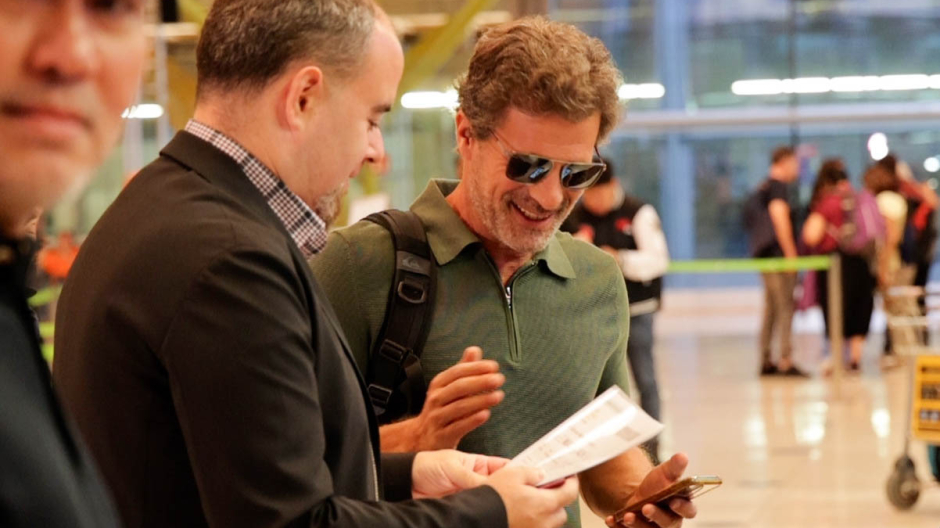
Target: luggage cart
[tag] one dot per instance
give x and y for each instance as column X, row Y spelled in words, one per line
column 909, row 328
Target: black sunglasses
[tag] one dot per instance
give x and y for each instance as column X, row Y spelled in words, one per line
column 529, row 168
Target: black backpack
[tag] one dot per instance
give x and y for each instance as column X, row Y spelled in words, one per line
column 395, row 378
column 918, row 246
column 757, row 223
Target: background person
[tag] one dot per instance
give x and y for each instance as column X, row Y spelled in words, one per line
column 918, row 237
column 778, row 286
column 629, row 230
column 826, row 217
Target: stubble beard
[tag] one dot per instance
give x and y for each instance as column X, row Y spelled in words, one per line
column 329, row 205
column 498, row 219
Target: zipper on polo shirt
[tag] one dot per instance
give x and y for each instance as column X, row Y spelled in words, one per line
column 512, row 331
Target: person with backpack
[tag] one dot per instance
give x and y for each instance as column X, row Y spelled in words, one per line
column 920, row 232
column 846, row 222
column 918, row 241
column 768, row 221
column 549, row 310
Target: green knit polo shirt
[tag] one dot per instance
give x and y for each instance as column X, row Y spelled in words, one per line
column 560, row 338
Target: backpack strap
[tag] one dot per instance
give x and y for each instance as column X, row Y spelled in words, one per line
column 395, row 379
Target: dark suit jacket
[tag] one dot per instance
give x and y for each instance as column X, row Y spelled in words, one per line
column 46, row 476
column 208, row 373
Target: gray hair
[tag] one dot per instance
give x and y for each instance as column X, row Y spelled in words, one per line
column 247, row 43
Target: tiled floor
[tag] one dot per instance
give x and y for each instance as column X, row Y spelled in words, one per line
column 792, row 453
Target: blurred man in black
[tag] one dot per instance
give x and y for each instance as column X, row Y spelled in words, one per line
column 778, row 286
column 68, row 70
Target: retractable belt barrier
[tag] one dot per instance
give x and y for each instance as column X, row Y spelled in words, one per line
column 763, row 265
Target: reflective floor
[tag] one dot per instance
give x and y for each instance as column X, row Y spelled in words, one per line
column 792, row 453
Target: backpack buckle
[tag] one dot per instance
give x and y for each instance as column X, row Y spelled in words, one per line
column 393, row 351
column 412, row 291
column 380, row 397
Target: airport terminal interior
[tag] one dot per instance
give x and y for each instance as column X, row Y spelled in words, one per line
column 711, row 89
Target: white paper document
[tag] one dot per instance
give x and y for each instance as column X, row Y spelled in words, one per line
column 601, row 430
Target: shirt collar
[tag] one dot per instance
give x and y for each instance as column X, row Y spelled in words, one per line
column 448, row 235
column 306, row 228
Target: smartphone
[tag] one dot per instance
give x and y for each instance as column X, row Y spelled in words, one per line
column 688, row 488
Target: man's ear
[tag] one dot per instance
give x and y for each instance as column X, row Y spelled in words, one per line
column 303, row 96
column 465, row 137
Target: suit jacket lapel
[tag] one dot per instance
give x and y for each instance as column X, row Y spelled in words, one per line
column 221, row 170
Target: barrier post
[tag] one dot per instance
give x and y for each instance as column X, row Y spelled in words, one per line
column 836, row 352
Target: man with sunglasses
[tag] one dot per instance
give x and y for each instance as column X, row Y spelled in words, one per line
column 549, row 312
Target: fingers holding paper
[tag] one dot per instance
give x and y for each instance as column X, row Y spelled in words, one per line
column 441, row 473
column 528, row 505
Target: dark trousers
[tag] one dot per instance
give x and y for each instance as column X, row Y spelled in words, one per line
column 858, row 296
column 640, row 355
column 778, row 314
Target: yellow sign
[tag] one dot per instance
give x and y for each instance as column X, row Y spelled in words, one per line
column 926, row 408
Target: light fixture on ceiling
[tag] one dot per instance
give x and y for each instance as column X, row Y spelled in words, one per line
column 641, row 91
column 845, row 84
column 932, row 164
column 878, row 146
column 429, row 99
column 143, row 111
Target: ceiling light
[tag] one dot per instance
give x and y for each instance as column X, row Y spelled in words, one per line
column 641, row 91
column 878, row 146
column 904, row 82
column 428, row 100
column 143, row 111
column 757, row 87
column 845, row 84
column 857, row 83
column 932, row 164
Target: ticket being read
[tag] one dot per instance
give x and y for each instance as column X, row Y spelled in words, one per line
column 600, row 431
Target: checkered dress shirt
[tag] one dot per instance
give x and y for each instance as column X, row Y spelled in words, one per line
column 306, row 228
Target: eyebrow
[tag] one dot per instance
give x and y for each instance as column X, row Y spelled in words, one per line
column 382, row 108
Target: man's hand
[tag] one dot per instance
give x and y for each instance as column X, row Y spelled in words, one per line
column 458, row 401
column 527, row 505
column 440, row 473
column 661, row 477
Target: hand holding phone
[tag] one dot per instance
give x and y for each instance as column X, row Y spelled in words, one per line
column 688, row 488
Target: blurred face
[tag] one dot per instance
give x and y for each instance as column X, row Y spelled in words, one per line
column 346, row 134
column 522, row 217
column 600, row 199
column 68, row 69
column 791, row 168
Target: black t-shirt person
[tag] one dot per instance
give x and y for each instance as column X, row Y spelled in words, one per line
column 775, row 190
